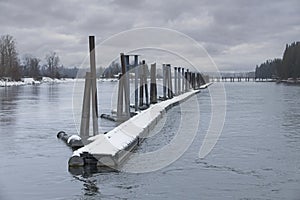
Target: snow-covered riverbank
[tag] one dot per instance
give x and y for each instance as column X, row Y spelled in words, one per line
column 31, row 81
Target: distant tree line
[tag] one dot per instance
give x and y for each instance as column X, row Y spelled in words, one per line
column 29, row 66
column 287, row 67
column 113, row 69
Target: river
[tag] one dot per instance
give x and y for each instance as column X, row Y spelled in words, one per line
column 256, row 157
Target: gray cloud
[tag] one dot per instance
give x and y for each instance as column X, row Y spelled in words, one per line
column 238, row 34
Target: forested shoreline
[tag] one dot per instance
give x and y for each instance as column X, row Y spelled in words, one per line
column 287, row 67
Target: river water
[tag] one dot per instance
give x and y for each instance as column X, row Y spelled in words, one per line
column 256, row 157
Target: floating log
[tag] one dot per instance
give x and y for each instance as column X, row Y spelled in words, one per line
column 73, row 141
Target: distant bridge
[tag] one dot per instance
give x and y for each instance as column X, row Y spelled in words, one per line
column 239, row 79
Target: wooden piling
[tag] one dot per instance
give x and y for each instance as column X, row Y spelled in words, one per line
column 141, row 70
column 153, row 87
column 85, row 114
column 125, row 63
column 123, row 93
column 193, row 80
column 145, row 72
column 186, row 80
column 198, row 80
column 136, row 83
column 120, row 97
column 94, row 84
column 179, row 80
column 175, row 81
column 183, row 81
column 170, row 89
column 164, row 81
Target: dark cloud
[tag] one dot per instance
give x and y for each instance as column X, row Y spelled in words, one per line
column 237, row 33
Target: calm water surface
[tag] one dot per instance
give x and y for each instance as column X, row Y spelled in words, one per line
column 256, row 157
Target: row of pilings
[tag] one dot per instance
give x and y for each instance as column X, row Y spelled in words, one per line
column 181, row 81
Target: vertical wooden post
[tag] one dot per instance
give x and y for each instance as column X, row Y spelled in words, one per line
column 85, row 114
column 123, row 93
column 183, row 81
column 136, row 83
column 190, row 80
column 94, row 84
column 124, row 63
column 179, row 80
column 169, row 75
column 194, row 80
column 187, row 80
column 175, row 81
column 198, row 80
column 127, row 86
column 145, row 72
column 120, row 98
column 164, row 81
column 141, row 70
column 153, row 87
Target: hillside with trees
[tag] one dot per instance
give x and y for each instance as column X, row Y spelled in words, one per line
column 287, row 67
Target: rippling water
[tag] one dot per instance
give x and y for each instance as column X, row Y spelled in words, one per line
column 256, row 157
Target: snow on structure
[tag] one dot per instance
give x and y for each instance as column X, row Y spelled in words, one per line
column 112, row 148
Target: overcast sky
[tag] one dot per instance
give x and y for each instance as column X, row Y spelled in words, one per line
column 237, row 34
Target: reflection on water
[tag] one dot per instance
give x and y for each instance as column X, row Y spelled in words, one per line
column 88, row 171
column 53, row 92
column 89, row 186
column 8, row 105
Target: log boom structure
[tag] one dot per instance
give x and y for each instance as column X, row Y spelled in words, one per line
column 112, row 149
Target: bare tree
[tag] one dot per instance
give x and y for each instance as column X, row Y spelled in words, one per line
column 32, row 66
column 9, row 63
column 52, row 62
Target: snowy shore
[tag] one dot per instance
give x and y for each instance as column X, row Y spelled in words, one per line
column 31, row 81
